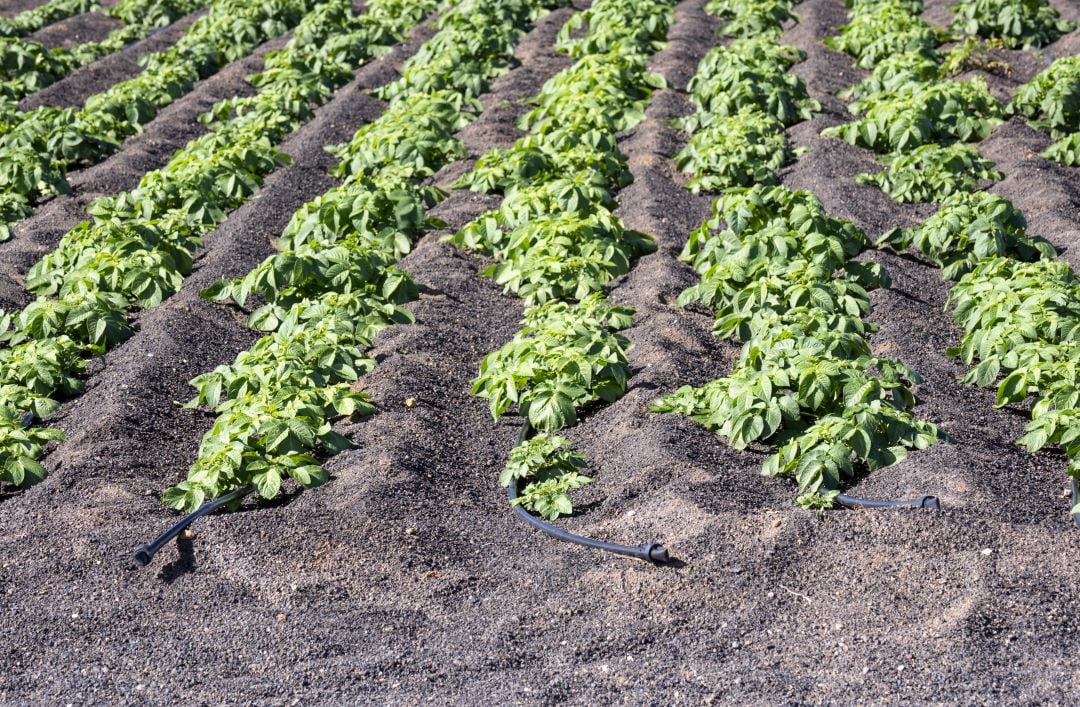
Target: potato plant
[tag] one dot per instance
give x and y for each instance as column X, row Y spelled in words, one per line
column 608, row 24
column 334, row 283
column 551, row 470
column 746, row 148
column 1019, row 24
column 140, row 245
column 752, row 18
column 564, row 358
column 967, row 228
column 780, row 277
column 1065, row 151
column 749, row 73
column 922, row 113
column 931, row 172
column 886, row 28
column 1051, row 100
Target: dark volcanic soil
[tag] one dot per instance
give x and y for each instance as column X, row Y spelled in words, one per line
column 10, row 8
column 406, row 579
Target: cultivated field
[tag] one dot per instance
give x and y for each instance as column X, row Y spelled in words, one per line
column 705, row 275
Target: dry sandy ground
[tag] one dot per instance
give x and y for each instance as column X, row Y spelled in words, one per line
column 406, row 579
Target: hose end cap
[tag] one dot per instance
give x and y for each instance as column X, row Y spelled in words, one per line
column 657, row 554
column 143, row 555
column 930, row 503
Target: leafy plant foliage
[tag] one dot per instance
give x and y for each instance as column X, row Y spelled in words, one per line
column 1017, row 23
column 552, row 470
column 334, row 283
column 140, row 245
column 780, row 276
column 931, row 172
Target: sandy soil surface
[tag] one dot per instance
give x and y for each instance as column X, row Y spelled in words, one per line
column 407, row 579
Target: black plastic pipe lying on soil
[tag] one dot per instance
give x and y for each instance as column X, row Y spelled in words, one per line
column 144, row 553
column 649, row 552
column 927, row 502
column 1075, row 499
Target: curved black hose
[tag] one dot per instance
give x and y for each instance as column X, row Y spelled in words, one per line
column 927, row 502
column 144, row 553
column 1075, row 499
column 649, row 552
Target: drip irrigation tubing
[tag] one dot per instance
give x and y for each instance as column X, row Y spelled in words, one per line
column 649, row 552
column 144, row 553
column 930, row 503
column 1075, row 499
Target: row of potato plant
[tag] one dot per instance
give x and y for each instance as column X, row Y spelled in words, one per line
column 334, row 282
column 46, row 13
column 138, row 248
column 780, row 275
column 1019, row 310
column 556, row 243
column 38, row 147
column 920, row 121
column 1018, row 307
column 27, row 66
column 744, row 98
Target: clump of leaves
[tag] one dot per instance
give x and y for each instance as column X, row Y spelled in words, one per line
column 21, row 446
column 551, row 468
column 631, row 26
column 1065, row 151
column 1051, row 100
column 752, row 18
column 890, row 74
column 871, row 436
column 746, row 148
column 805, row 379
column 967, row 228
column 749, row 73
column 564, row 357
column 882, row 29
column 1017, row 23
column 931, row 172
column 752, row 211
column 921, row 113
column 1003, row 303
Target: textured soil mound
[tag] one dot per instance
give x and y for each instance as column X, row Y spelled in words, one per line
column 407, row 578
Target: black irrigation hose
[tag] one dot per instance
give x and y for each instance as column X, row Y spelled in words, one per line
column 649, row 552
column 928, row 502
column 144, row 553
column 1075, row 499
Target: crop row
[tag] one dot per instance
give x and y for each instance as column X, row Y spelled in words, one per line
column 1019, row 309
column 556, row 243
column 744, row 97
column 780, row 275
column 334, row 283
column 919, row 120
column 37, row 148
column 138, row 249
column 27, row 66
column 781, row 278
column 35, row 18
